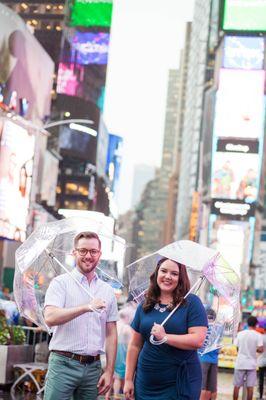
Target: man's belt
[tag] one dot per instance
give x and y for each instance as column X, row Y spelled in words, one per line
column 83, row 359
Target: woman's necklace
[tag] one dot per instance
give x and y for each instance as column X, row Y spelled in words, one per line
column 160, row 308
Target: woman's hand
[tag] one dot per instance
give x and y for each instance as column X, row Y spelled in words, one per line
column 158, row 331
column 129, row 390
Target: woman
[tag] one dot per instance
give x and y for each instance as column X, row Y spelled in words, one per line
column 170, row 371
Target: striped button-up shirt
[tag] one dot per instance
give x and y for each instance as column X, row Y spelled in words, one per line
column 86, row 333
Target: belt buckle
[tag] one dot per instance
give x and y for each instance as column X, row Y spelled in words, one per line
column 80, row 358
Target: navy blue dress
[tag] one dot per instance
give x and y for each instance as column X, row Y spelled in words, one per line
column 164, row 372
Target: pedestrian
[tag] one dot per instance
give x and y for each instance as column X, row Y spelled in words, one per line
column 80, row 327
column 262, row 365
column 124, row 331
column 171, row 370
column 248, row 342
column 209, row 366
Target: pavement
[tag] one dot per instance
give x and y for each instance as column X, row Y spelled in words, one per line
column 225, row 389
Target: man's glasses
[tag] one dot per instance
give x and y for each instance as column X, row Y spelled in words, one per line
column 83, row 252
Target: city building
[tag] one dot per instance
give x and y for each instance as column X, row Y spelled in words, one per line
column 142, row 175
column 171, row 208
column 196, row 77
column 231, row 191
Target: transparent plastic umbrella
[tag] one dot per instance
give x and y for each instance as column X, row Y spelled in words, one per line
column 211, row 277
column 47, row 253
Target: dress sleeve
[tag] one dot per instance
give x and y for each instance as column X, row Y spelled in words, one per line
column 135, row 324
column 196, row 312
column 55, row 295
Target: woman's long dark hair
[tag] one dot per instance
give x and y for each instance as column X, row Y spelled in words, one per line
column 153, row 294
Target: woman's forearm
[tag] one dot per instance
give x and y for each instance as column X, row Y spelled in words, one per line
column 131, row 361
column 190, row 341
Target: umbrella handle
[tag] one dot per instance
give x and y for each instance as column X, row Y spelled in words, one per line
column 157, row 342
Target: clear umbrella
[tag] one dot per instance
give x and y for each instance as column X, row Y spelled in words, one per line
column 48, row 252
column 211, row 277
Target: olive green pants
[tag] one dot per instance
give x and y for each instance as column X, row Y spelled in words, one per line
column 67, row 378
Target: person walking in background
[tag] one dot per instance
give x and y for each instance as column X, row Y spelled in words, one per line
column 124, row 332
column 170, row 371
column 262, row 365
column 248, row 342
column 209, row 366
column 80, row 328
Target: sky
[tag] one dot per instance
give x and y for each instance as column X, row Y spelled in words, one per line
column 146, row 39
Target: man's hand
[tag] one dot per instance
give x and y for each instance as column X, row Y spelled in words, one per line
column 97, row 305
column 129, row 390
column 105, row 383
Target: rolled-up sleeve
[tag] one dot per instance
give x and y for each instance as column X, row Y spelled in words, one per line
column 55, row 295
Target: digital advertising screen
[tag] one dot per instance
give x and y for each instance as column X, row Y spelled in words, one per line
column 114, row 158
column 77, row 144
column 90, row 13
column 240, row 104
column 243, row 52
column 89, row 48
column 69, row 79
column 26, row 70
column 16, row 162
column 244, row 15
column 235, row 176
column 231, row 238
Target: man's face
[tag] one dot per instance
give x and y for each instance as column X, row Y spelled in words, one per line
column 87, row 262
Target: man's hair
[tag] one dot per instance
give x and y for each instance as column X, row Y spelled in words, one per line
column 87, row 235
column 252, row 321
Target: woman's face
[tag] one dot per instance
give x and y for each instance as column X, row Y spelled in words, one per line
column 168, row 276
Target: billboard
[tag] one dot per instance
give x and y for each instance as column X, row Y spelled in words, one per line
column 240, row 104
column 244, row 15
column 235, row 176
column 243, row 52
column 90, row 13
column 69, row 79
column 243, row 146
column 77, row 144
column 48, row 188
column 26, row 70
column 16, row 161
column 232, row 208
column 232, row 239
column 89, row 48
column 114, row 158
column 84, row 81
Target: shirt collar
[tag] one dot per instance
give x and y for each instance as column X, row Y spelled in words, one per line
column 77, row 274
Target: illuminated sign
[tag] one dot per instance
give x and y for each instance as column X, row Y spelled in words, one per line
column 16, row 162
column 89, row 13
column 232, row 207
column 89, row 48
column 230, row 238
column 69, row 79
column 244, row 15
column 243, row 52
column 240, row 104
column 114, row 158
column 238, row 146
column 235, row 176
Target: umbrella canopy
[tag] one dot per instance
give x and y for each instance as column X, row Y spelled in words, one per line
column 47, row 253
column 214, row 280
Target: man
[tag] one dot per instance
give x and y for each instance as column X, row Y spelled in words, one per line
column 80, row 328
column 248, row 342
column 209, row 366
